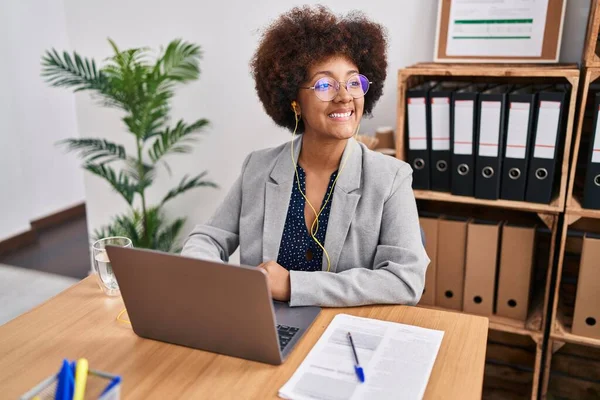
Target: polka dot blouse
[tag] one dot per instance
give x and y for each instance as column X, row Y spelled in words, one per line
column 297, row 250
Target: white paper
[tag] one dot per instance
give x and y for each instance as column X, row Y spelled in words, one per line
column 516, row 137
column 397, row 360
column 489, row 128
column 596, row 148
column 440, row 123
column 417, row 124
column 496, row 28
column 463, row 126
column 547, row 129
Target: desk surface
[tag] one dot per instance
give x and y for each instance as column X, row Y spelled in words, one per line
column 81, row 322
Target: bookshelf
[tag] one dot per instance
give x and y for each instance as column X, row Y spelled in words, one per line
column 576, row 219
column 548, row 214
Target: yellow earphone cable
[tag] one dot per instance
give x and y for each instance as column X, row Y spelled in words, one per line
column 313, row 231
column 121, row 319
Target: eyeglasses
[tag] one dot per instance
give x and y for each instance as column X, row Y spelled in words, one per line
column 328, row 88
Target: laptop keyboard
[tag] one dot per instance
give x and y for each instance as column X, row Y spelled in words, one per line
column 286, row 333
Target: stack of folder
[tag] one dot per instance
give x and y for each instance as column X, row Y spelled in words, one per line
column 586, row 316
column 478, row 266
column 489, row 141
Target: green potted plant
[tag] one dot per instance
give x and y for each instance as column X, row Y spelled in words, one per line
column 141, row 89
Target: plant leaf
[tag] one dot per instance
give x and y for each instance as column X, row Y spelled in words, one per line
column 180, row 61
column 171, row 140
column 126, row 72
column 128, row 225
column 120, row 183
column 95, row 150
column 62, row 72
column 188, row 184
column 161, row 235
column 145, row 178
column 165, row 241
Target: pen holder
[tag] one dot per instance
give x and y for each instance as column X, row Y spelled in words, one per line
column 99, row 386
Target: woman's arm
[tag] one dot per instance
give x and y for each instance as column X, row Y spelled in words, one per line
column 398, row 272
column 219, row 237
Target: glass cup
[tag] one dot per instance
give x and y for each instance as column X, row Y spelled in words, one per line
column 104, row 273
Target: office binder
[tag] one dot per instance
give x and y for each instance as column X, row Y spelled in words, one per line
column 549, row 134
column 520, row 110
column 440, row 105
column 450, row 275
column 429, row 224
column 488, row 160
column 586, row 316
column 515, row 270
column 419, row 133
column 463, row 134
column 591, row 189
column 480, row 267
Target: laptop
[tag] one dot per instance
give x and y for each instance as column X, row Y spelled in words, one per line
column 217, row 307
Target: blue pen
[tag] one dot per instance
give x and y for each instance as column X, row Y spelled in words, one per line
column 359, row 371
column 60, row 381
column 63, row 384
column 116, row 380
column 70, row 381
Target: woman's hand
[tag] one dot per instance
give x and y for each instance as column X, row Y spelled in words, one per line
column 279, row 280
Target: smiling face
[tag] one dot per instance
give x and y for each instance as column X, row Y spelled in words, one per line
column 335, row 119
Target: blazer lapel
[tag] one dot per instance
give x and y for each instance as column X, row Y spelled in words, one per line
column 278, row 192
column 345, row 199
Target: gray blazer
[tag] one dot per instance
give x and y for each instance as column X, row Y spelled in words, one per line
column 373, row 235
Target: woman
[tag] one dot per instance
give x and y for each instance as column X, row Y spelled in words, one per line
column 330, row 222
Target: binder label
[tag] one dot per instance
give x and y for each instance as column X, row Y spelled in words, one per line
column 516, row 137
column 547, row 129
column 596, row 145
column 489, row 128
column 417, row 124
column 440, row 123
column 463, row 126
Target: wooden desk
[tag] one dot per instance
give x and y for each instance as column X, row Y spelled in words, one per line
column 81, row 322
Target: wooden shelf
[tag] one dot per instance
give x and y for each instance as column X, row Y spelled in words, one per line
column 574, row 208
column 531, row 327
column 554, row 207
column 563, row 333
column 567, row 71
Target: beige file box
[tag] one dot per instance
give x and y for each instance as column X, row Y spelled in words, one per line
column 514, row 276
column 430, row 230
column 450, row 275
column 586, row 317
column 480, row 267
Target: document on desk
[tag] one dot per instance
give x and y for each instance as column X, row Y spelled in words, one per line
column 397, row 360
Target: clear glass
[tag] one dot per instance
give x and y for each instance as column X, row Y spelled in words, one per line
column 327, row 88
column 102, row 268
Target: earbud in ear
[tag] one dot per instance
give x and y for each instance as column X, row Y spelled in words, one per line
column 294, row 105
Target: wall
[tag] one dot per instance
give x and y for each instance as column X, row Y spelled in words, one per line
column 228, row 34
column 14, row 218
column 36, row 178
